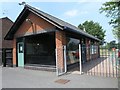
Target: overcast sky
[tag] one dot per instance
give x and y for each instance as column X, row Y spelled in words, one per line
column 71, row 12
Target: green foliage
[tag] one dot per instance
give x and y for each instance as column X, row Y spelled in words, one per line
column 112, row 10
column 111, row 45
column 116, row 32
column 93, row 28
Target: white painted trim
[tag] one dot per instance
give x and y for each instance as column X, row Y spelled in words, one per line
column 65, row 61
column 56, row 63
column 80, row 63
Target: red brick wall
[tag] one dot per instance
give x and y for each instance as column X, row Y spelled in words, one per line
column 88, row 55
column 97, row 54
column 60, row 41
column 14, row 51
column 39, row 25
column 88, row 49
column 6, row 24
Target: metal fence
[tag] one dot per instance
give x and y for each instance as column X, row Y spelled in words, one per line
column 106, row 64
column 97, row 61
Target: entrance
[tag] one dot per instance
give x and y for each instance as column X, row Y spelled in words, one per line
column 40, row 50
column 20, row 52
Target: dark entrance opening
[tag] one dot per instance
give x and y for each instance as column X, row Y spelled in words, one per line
column 40, row 50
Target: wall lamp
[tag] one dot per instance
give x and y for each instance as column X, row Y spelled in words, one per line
column 28, row 20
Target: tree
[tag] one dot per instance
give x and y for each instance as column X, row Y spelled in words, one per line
column 93, row 28
column 112, row 10
column 111, row 45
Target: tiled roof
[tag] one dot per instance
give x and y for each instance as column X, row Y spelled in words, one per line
column 62, row 23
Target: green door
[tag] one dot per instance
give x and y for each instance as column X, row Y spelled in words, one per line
column 20, row 46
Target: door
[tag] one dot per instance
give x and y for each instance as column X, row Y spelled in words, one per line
column 20, row 46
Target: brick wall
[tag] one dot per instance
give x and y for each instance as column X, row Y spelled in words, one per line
column 38, row 25
column 88, row 55
column 5, row 24
column 14, row 52
column 88, row 49
column 26, row 28
column 60, row 41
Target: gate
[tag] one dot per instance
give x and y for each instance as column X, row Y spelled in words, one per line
column 102, row 62
column 61, row 64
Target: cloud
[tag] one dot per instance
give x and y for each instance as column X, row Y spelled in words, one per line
column 71, row 13
column 75, row 12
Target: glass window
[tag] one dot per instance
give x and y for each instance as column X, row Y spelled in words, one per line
column 40, row 49
column 72, row 50
column 20, row 48
column 93, row 49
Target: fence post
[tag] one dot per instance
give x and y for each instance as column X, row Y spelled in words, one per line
column 80, row 59
column 59, row 70
column 65, row 63
column 56, row 63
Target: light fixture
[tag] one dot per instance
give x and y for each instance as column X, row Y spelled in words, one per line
column 28, row 20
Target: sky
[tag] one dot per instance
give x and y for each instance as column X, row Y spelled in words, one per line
column 74, row 13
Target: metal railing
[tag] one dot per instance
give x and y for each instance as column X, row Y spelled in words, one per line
column 105, row 65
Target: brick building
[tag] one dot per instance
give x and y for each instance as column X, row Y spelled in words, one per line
column 6, row 24
column 40, row 39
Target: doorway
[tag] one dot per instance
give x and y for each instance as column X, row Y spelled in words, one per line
column 40, row 50
column 20, row 53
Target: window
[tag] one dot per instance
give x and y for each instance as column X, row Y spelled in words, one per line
column 72, row 50
column 93, row 49
column 20, row 48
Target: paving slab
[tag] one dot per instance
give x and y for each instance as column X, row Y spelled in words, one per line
column 24, row 78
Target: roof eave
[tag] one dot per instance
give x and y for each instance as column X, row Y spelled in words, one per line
column 12, row 29
column 7, row 37
column 75, row 31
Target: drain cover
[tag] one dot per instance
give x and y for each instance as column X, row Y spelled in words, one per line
column 62, row 81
